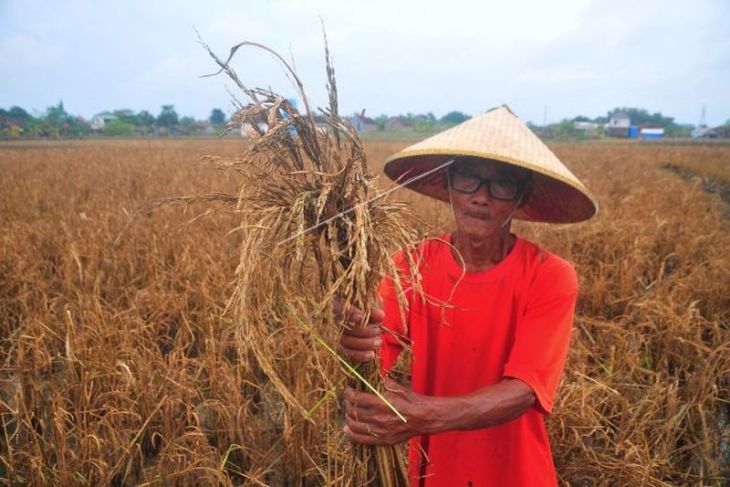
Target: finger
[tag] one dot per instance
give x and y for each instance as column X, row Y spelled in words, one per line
column 364, row 439
column 351, row 342
column 393, row 386
column 348, row 392
column 355, row 355
column 377, row 315
column 366, row 403
column 350, row 313
column 354, row 398
column 358, row 348
column 353, row 314
column 367, row 434
column 365, row 427
column 359, row 331
column 356, row 316
column 360, row 414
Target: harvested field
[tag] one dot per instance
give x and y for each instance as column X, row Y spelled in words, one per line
column 119, row 362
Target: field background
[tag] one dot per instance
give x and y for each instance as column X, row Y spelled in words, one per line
column 119, row 361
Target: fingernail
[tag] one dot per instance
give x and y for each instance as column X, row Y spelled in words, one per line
column 371, row 355
column 378, row 342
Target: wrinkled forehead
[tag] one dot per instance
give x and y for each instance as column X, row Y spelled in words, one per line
column 490, row 168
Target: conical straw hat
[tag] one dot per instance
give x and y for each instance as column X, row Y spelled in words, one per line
column 557, row 196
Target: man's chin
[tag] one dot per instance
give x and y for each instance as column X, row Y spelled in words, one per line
column 479, row 229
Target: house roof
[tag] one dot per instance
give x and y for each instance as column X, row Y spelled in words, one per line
column 106, row 116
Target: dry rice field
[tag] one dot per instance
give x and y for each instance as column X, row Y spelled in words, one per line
column 118, row 354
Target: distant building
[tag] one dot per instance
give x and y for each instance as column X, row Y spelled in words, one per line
column 369, row 125
column 619, row 120
column 586, row 126
column 398, row 124
column 362, row 123
column 719, row 132
column 705, row 132
column 619, row 124
column 700, row 132
column 651, row 132
column 99, row 121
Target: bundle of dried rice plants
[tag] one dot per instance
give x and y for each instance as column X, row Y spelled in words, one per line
column 314, row 227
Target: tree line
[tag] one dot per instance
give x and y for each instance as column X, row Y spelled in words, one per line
column 424, row 122
column 56, row 122
column 566, row 129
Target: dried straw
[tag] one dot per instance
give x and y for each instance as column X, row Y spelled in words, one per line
column 313, row 227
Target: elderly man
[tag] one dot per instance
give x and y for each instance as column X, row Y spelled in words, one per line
column 489, row 326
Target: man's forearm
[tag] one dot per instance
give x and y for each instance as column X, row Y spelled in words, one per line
column 483, row 408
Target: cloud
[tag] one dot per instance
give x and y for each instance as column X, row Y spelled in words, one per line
column 555, row 75
column 584, row 56
column 666, row 56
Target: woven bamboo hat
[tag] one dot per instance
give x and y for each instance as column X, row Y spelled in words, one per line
column 556, row 196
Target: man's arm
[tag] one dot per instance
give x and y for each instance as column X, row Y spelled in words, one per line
column 370, row 421
column 488, row 406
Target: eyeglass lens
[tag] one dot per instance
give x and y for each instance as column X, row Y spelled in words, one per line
column 501, row 189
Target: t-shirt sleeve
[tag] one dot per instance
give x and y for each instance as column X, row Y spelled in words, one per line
column 542, row 333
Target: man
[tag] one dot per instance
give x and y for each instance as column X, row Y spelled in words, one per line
column 489, row 327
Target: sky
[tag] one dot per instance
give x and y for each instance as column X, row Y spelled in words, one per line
column 546, row 60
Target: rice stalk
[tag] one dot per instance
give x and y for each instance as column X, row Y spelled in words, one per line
column 314, row 227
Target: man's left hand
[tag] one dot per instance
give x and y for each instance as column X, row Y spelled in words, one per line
column 370, row 421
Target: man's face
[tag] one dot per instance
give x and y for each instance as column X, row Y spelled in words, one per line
column 483, row 194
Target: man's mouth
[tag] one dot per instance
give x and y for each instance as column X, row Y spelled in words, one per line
column 478, row 215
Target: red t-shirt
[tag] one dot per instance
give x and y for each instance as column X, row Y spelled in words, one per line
column 512, row 320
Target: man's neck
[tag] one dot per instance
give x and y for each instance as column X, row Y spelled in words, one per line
column 480, row 254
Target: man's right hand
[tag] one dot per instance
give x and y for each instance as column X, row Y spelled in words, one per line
column 360, row 341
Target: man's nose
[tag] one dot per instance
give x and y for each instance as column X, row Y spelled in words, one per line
column 481, row 195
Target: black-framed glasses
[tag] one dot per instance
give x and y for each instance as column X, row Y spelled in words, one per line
column 499, row 189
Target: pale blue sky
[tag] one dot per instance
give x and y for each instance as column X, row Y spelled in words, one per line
column 573, row 56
